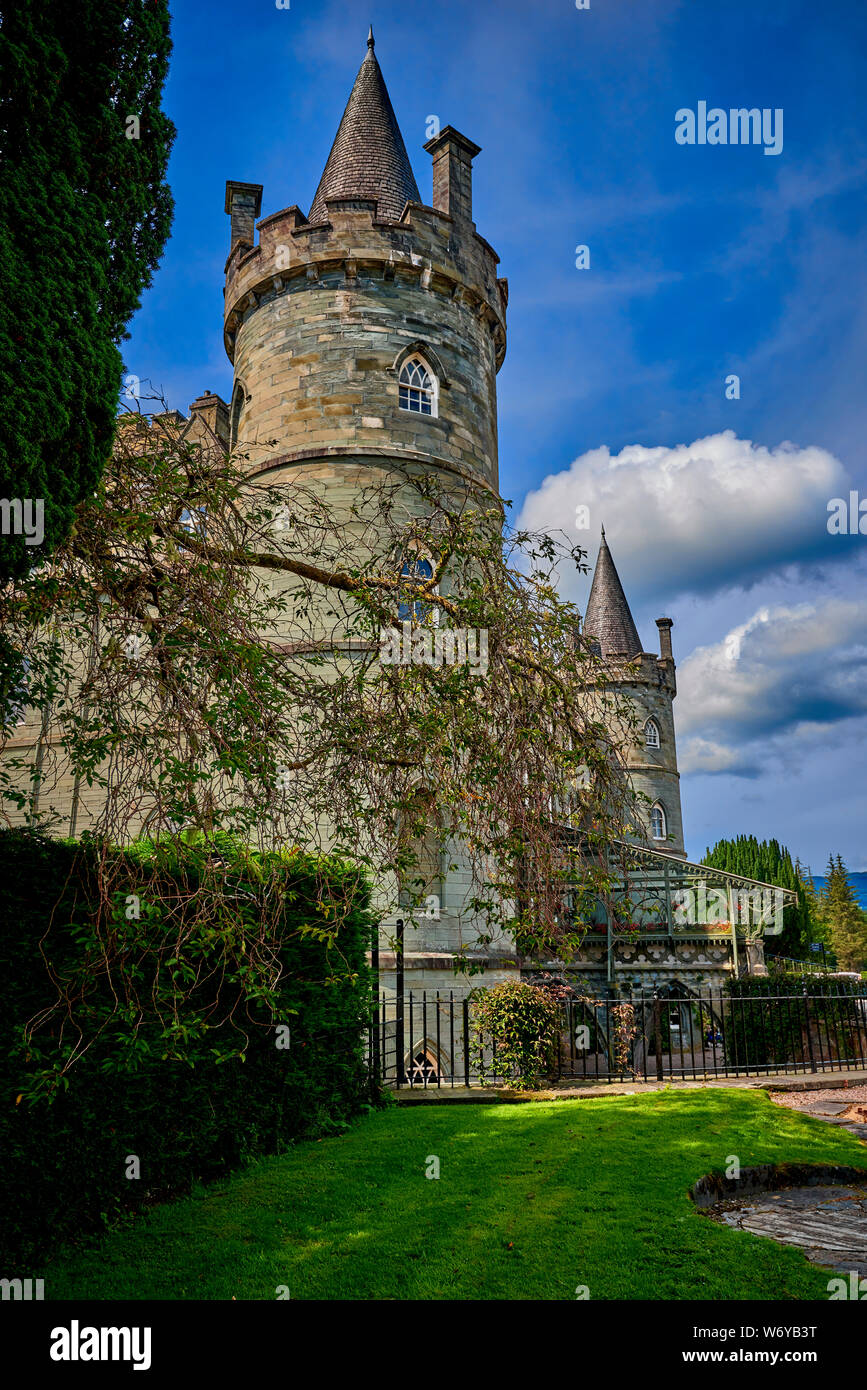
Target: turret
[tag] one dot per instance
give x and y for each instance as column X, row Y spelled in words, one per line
column 649, row 683
column 323, row 314
column 366, row 337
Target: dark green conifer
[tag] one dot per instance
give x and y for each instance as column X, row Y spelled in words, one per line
column 84, row 216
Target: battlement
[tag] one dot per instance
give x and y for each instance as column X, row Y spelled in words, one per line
column 427, row 249
column 643, row 669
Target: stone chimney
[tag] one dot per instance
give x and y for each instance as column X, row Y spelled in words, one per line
column 665, row 625
column 213, row 411
column 453, row 156
column 243, row 204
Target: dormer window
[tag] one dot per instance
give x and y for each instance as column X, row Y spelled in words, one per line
column 651, row 734
column 418, row 387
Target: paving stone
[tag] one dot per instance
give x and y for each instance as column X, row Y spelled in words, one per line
column 828, row 1223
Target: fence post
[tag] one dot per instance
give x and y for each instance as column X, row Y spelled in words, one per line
column 644, row 1038
column 374, row 970
column 657, row 1036
column 813, row 1066
column 398, row 1017
column 466, row 1041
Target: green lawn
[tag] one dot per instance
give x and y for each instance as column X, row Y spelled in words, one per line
column 533, row 1200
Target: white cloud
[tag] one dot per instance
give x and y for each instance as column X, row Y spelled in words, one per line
column 787, row 674
column 703, row 755
column 717, row 513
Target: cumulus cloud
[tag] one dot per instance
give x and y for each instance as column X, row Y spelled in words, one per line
column 703, row 755
column 700, row 517
column 788, row 672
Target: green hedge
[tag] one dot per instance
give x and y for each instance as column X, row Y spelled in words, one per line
column 771, row 1027
column 64, row 1160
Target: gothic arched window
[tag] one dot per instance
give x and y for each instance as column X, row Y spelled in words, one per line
column 417, row 566
column 422, row 1068
column 417, row 387
column 239, row 398
column 657, row 822
column 651, row 734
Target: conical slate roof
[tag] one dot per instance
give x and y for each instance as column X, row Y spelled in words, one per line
column 368, row 158
column 608, row 618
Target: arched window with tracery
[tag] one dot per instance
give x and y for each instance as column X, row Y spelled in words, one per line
column 651, row 734
column 422, row 1068
column 657, row 822
column 417, row 387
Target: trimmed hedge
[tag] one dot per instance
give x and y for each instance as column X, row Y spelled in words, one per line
column 800, row 1014
column 65, row 1160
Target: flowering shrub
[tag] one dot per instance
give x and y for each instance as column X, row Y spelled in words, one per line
column 515, row 1027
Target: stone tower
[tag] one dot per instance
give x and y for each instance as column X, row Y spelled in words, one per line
column 366, row 338
column 324, row 312
column 648, row 681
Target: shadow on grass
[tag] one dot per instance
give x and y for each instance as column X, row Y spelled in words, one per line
column 531, row 1202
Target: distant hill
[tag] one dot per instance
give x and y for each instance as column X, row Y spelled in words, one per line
column 858, row 882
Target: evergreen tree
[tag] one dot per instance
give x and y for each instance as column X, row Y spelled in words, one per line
column 84, row 217
column 847, row 923
column 816, row 916
column 769, row 862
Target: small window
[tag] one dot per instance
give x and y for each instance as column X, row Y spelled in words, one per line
column 657, row 822
column 239, row 400
column 422, row 1069
column 418, row 387
column 16, row 710
column 651, row 734
column 421, row 568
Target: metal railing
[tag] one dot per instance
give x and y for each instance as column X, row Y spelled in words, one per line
column 431, row 1039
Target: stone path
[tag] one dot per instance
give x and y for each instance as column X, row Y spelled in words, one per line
column 845, row 1106
column 828, row 1223
column 786, row 1090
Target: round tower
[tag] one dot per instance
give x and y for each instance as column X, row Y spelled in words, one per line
column 328, row 315
column 649, row 683
column 366, row 338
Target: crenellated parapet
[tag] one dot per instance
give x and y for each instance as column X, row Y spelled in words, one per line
column 320, row 318
column 428, row 250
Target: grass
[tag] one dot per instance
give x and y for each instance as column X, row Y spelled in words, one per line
column 532, row 1201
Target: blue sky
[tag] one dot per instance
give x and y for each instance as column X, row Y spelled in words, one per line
column 704, row 261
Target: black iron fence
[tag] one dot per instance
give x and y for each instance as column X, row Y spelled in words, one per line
column 432, row 1039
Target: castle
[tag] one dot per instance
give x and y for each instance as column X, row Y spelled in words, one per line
column 366, row 337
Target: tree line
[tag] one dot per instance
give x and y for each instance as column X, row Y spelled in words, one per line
column 829, row 915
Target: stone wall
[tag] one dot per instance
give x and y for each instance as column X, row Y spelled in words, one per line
column 649, row 684
column 316, row 322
